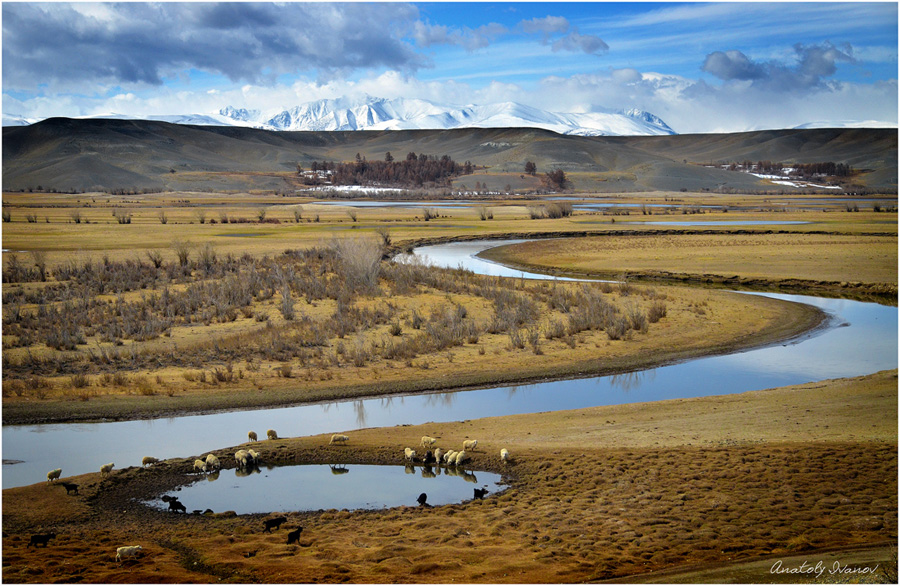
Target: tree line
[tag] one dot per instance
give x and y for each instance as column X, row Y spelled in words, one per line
column 415, row 170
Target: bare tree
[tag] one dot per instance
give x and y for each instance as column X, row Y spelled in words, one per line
column 361, row 261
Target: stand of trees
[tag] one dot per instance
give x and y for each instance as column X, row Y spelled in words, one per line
column 414, row 170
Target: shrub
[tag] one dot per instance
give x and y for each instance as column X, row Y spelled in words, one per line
column 657, row 311
column 7, row 216
column 484, row 213
column 80, row 381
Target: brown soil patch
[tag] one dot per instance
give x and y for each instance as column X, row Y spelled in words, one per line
column 594, row 494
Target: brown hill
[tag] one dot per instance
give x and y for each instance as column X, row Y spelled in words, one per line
column 66, row 154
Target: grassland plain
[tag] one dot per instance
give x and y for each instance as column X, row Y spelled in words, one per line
column 673, row 491
column 613, row 493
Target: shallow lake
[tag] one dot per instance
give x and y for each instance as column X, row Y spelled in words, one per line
column 861, row 338
column 314, row 487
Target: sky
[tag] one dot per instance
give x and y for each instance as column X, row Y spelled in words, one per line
column 701, row 67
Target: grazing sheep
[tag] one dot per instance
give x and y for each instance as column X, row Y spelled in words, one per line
column 40, row 539
column 438, row 454
column 271, row 434
column 338, row 439
column 410, row 454
column 480, row 492
column 449, row 457
column 427, row 442
column 422, row 498
column 276, row 523
column 243, row 458
column 294, row 536
column 504, row 455
column 106, row 469
column 200, row 465
column 212, row 462
column 176, row 505
column 54, row 474
column 128, row 551
column 470, row 445
column 460, row 457
column 147, row 460
column 71, row 488
column 252, row 436
column 255, row 458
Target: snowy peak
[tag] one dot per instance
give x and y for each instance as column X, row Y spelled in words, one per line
column 370, row 113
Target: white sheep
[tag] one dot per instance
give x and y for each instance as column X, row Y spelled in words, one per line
column 470, row 445
column 427, row 442
column 271, row 434
column 212, row 462
column 128, row 551
column 200, row 465
column 254, row 456
column 438, row 454
column 504, row 455
column 243, row 458
column 54, row 474
column 410, row 454
column 106, row 469
column 338, row 439
column 252, row 436
column 147, row 460
column 449, row 457
column 460, row 457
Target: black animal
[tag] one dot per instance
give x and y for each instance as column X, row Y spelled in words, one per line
column 480, row 492
column 40, row 539
column 175, row 505
column 294, row 536
column 71, row 488
column 422, row 498
column 167, row 499
column 428, row 458
column 276, row 523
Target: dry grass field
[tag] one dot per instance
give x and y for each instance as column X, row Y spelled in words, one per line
column 679, row 489
column 153, row 305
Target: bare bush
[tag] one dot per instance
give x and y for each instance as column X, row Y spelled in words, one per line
column 657, row 311
column 360, row 260
column 484, row 213
column 163, row 218
column 430, row 213
column 182, row 250
column 7, row 216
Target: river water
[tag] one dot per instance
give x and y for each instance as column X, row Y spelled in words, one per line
column 861, row 338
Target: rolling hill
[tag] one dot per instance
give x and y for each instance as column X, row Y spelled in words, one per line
column 92, row 154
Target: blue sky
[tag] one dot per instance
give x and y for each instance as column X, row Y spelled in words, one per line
column 710, row 67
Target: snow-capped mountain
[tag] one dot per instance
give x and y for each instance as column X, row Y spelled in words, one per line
column 368, row 113
column 406, row 113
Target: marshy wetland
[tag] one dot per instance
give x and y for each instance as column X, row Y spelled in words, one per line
column 167, row 321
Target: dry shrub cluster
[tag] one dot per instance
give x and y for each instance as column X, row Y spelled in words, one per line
column 96, row 315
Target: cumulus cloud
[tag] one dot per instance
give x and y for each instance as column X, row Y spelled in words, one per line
column 63, row 44
column 548, row 25
column 426, row 35
column 574, row 41
column 813, row 64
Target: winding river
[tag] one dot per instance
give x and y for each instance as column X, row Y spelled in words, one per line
column 860, row 338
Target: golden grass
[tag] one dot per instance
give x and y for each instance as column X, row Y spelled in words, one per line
column 600, row 493
column 816, row 257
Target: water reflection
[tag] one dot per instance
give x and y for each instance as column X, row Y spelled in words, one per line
column 630, row 381
column 332, row 486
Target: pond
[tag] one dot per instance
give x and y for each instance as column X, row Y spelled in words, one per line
column 860, row 338
column 315, row 487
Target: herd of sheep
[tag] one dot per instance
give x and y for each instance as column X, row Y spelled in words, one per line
column 248, row 458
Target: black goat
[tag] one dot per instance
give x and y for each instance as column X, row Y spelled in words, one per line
column 176, row 505
column 71, row 487
column 422, row 498
column 41, row 539
column 480, row 492
column 294, row 536
column 276, row 523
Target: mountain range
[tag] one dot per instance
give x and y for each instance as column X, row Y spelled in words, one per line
column 95, row 155
column 370, row 113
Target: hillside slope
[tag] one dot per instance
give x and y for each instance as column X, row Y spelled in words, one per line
column 66, row 154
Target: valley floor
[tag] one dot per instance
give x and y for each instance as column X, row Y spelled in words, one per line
column 607, row 493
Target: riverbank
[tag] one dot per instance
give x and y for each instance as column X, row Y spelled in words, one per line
column 855, row 266
column 696, row 323
column 604, row 493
